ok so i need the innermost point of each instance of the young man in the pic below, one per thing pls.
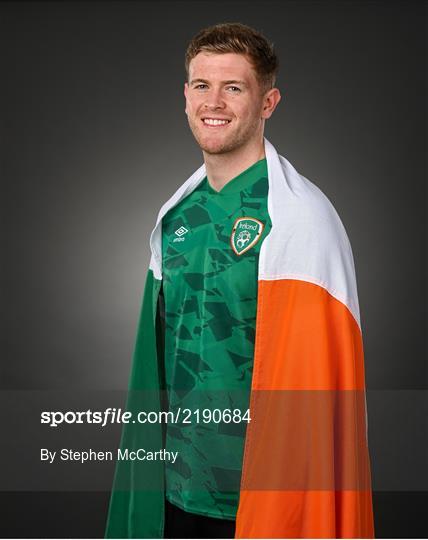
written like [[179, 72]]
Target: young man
[[252, 280]]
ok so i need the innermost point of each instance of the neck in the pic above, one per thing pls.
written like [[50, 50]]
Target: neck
[[222, 168]]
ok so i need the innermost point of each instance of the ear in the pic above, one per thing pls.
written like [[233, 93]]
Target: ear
[[270, 101]]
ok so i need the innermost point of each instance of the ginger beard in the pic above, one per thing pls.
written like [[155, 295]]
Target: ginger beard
[[243, 109], [228, 138]]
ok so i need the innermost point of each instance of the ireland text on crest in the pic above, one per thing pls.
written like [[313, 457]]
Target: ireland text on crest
[[246, 233]]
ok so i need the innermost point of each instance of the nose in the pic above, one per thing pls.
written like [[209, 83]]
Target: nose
[[214, 99]]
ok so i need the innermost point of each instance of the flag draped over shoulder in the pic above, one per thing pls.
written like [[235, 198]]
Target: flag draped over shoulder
[[137, 501], [306, 468]]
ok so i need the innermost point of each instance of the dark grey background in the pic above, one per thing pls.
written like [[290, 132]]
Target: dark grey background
[[95, 139]]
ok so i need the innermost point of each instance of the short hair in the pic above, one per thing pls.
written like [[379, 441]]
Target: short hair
[[241, 39]]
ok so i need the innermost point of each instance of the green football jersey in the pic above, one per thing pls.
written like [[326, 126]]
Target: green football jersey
[[210, 243]]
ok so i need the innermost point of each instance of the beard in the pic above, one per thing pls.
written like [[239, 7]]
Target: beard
[[222, 144]]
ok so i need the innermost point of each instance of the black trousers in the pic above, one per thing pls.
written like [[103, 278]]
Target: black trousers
[[181, 524]]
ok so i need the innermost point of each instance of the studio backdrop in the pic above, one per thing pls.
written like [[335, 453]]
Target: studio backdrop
[[95, 139]]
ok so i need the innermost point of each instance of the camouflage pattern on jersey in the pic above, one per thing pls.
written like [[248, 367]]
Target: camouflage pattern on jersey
[[211, 243]]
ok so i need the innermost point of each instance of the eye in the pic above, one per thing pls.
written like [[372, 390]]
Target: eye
[[200, 85], [235, 89]]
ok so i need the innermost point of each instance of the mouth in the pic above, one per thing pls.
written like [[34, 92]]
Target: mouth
[[215, 122]]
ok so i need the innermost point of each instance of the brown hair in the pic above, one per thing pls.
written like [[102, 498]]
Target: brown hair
[[241, 39]]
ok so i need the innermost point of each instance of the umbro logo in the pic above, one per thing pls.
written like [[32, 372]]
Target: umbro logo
[[180, 232]]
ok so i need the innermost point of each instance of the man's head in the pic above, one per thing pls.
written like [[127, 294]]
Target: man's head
[[239, 39], [231, 72]]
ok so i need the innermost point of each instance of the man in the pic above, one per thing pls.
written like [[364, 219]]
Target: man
[[252, 276]]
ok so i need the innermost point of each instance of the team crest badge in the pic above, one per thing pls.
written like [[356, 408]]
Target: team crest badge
[[246, 233]]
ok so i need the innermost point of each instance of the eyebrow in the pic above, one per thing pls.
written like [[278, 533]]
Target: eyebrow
[[234, 81]]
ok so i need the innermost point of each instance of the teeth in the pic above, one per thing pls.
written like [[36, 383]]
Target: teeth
[[214, 122]]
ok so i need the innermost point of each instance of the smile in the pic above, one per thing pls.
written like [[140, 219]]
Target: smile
[[215, 122]]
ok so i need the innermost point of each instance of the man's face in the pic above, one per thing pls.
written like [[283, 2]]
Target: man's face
[[223, 87]]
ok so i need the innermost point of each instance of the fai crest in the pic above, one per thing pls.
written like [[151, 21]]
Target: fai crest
[[245, 233]]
